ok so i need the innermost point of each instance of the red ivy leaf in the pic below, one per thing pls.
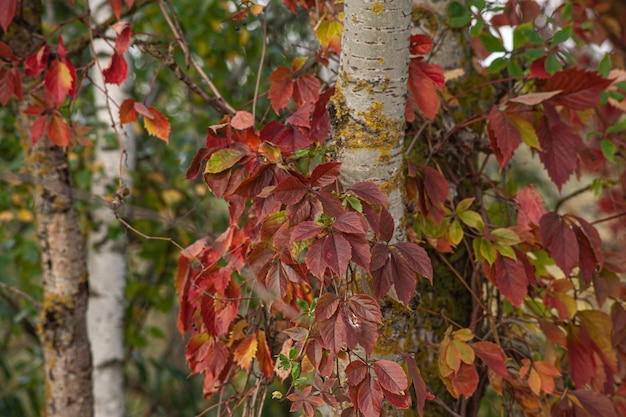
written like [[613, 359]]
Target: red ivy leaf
[[7, 85], [432, 192], [281, 88], [116, 5], [580, 89], [391, 376], [369, 192], [36, 63], [493, 356], [509, 275], [417, 258], [128, 114], [124, 34], [424, 79], [59, 81], [59, 131], [242, 120], [418, 383], [503, 135], [290, 191], [421, 44], [350, 222], [305, 230], [559, 238], [38, 129], [580, 355], [465, 381], [302, 116], [326, 307], [7, 12], [560, 145], [306, 90], [325, 174], [403, 277], [337, 253], [531, 207], [158, 125], [370, 397], [117, 70]]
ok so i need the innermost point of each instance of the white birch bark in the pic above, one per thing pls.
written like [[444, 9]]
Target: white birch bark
[[369, 104], [107, 260]]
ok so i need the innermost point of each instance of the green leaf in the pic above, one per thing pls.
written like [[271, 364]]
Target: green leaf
[[459, 15], [478, 4], [498, 65], [455, 232], [552, 64], [485, 250], [477, 29], [605, 65], [617, 127], [608, 149], [464, 205], [533, 54], [472, 219], [527, 34], [561, 36], [506, 236], [491, 43], [355, 203], [222, 160], [566, 13], [506, 251], [515, 69]]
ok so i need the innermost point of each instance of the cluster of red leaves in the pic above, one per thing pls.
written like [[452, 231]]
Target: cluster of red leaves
[[547, 121], [302, 237], [424, 79]]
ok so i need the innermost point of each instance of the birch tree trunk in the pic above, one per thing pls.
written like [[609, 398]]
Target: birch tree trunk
[[368, 118], [368, 108], [62, 327], [107, 257]]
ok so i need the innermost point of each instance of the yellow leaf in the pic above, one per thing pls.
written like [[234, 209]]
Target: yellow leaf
[[25, 216], [377, 8], [455, 233], [158, 126], [256, 9], [245, 351], [329, 34], [297, 63], [600, 328], [526, 130], [534, 382]]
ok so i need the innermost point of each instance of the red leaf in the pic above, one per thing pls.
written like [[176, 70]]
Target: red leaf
[[391, 376], [333, 332], [143, 110], [356, 372], [580, 89], [36, 63], [493, 356], [350, 222], [421, 44], [361, 254], [302, 116], [503, 135], [370, 397], [59, 81], [418, 383], [305, 230], [465, 381], [560, 145], [558, 237], [580, 355], [128, 114], [7, 85], [116, 5], [315, 260], [424, 79], [531, 207], [326, 307], [306, 89], [325, 174], [433, 191], [366, 308], [594, 403], [533, 99], [158, 125], [7, 12], [123, 36], [59, 131], [403, 278], [511, 279], [281, 88], [242, 120], [417, 259], [38, 129], [337, 253], [117, 70], [370, 192], [290, 191]]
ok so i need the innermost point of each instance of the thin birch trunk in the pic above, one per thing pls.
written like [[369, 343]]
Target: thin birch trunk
[[107, 256]]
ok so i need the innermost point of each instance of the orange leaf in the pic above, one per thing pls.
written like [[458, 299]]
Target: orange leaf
[[245, 351], [157, 126], [58, 81], [38, 129], [128, 114], [281, 88], [264, 356], [59, 131], [242, 120]]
